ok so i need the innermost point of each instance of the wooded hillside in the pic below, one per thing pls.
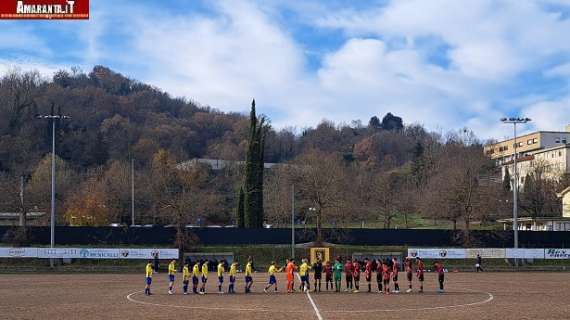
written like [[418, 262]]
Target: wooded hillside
[[343, 172]]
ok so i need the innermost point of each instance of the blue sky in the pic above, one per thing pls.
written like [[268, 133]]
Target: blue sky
[[445, 64]]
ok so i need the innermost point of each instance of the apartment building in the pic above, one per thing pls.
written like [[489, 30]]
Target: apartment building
[[548, 149]]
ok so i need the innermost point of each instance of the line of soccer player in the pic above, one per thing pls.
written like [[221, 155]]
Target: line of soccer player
[[386, 271]]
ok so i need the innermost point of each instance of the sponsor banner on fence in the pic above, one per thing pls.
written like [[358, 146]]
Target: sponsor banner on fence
[[88, 253], [490, 253], [439, 253], [524, 253], [18, 252], [557, 253]]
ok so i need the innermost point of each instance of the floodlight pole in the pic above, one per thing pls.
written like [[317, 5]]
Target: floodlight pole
[[515, 191], [514, 121], [52, 117], [52, 217]]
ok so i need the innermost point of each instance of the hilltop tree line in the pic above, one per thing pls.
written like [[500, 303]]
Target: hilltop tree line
[[380, 172]]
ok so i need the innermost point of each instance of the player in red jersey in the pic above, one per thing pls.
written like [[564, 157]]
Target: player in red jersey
[[348, 270], [440, 269], [356, 275], [328, 276], [386, 276], [409, 266], [378, 268], [395, 269], [420, 269], [368, 273]]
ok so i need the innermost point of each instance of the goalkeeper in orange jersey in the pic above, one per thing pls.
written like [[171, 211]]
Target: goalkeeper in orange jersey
[[290, 272]]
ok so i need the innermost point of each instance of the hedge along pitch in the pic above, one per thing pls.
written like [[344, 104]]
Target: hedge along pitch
[[280, 236]]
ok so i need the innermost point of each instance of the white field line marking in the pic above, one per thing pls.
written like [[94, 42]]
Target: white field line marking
[[130, 298], [261, 309], [490, 298], [317, 313]]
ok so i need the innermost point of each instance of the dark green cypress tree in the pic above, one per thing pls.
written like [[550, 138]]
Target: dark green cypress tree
[[259, 216], [418, 165], [240, 219], [253, 186], [507, 181]]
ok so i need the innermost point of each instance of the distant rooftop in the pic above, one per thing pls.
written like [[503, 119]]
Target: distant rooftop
[[217, 164], [16, 215]]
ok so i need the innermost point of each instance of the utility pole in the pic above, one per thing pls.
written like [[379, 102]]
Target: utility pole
[[22, 207], [293, 221], [52, 117], [514, 122], [132, 191]]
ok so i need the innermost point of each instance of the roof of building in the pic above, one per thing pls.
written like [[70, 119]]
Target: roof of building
[[563, 192], [527, 134], [218, 164], [560, 146], [537, 219], [16, 215]]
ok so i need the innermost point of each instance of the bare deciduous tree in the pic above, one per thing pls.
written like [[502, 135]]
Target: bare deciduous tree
[[455, 191], [321, 177]]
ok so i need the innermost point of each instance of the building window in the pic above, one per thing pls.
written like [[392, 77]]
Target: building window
[[563, 140], [529, 141], [557, 140], [560, 153], [535, 140]]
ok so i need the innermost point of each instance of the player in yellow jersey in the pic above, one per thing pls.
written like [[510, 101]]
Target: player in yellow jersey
[[204, 276], [185, 277], [272, 280], [148, 273], [233, 273], [171, 273], [248, 275], [195, 277], [304, 274], [221, 271]]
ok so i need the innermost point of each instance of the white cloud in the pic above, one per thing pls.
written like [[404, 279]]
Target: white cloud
[[224, 60], [490, 40], [562, 70], [244, 49], [22, 38], [46, 70], [550, 115]]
